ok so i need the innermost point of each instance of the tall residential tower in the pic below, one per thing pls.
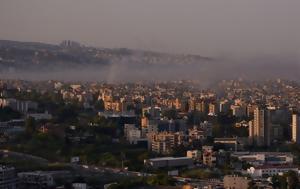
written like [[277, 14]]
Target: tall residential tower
[[295, 128], [260, 131]]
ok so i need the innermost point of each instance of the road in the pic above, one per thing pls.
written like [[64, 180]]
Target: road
[[91, 169], [8, 153]]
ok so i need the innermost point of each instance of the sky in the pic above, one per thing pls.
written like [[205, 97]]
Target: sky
[[204, 27]]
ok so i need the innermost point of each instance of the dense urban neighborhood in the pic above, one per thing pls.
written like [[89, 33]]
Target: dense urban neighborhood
[[234, 134]]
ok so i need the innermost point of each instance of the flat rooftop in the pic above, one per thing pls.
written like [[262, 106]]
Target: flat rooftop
[[168, 158]]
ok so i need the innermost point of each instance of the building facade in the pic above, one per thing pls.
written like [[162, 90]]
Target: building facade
[[260, 128], [8, 177], [295, 128]]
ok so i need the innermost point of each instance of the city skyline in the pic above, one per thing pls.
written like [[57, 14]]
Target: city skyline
[[156, 94]]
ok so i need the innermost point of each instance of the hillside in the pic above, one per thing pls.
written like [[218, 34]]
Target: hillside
[[31, 56]]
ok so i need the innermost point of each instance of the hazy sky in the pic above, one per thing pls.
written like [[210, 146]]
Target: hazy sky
[[206, 27]]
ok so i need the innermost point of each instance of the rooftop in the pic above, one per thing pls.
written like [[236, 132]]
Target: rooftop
[[168, 158], [283, 166], [3, 168]]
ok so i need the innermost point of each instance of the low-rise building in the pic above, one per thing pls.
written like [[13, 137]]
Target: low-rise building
[[200, 132], [40, 116], [208, 156], [261, 158], [37, 178], [75, 159], [228, 142], [18, 105], [165, 142], [12, 126], [232, 143], [236, 182], [194, 154], [270, 170], [132, 133], [169, 162], [79, 186], [8, 177]]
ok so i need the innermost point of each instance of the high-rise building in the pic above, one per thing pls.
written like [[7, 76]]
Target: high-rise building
[[250, 110], [144, 122], [224, 106], [153, 112], [260, 131], [202, 106], [212, 109], [238, 111], [296, 128]]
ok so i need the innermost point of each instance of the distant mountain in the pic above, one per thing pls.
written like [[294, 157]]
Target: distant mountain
[[32, 56]]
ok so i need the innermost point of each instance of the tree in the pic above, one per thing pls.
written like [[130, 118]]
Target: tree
[[251, 185], [161, 179], [68, 186], [67, 114], [99, 105], [196, 117], [288, 180], [170, 114], [6, 114], [292, 179], [30, 125], [179, 150]]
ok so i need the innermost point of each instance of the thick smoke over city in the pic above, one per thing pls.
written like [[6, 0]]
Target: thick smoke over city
[[249, 39], [205, 71]]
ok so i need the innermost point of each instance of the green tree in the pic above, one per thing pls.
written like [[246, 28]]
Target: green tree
[[6, 114], [288, 180], [251, 185], [30, 125], [292, 179], [68, 114], [170, 114], [160, 179], [99, 105]]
